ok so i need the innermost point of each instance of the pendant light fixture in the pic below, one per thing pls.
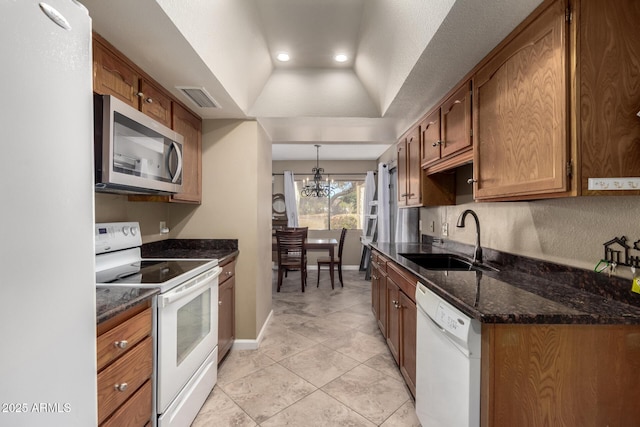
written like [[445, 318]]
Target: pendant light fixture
[[318, 187]]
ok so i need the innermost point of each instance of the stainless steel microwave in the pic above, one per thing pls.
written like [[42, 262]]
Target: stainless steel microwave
[[134, 154]]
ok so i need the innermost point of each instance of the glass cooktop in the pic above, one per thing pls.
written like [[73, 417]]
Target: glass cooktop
[[148, 272]]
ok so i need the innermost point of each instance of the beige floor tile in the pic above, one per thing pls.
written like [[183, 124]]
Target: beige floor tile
[[370, 393], [220, 411], [319, 329], [317, 410], [268, 391], [280, 342], [240, 363], [351, 319], [319, 364], [403, 417], [357, 345], [386, 364]]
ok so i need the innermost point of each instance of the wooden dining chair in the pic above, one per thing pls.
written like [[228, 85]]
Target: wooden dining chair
[[291, 254], [336, 261]]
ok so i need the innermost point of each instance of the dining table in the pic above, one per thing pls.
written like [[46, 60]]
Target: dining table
[[316, 244]]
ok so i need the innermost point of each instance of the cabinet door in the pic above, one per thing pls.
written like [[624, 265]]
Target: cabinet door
[[401, 155], [393, 319], [430, 138], [190, 127], [408, 321], [226, 316], [155, 103], [609, 130], [520, 114], [413, 168], [112, 76], [456, 122], [375, 293], [382, 304]]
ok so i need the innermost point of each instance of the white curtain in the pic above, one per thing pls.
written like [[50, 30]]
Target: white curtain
[[369, 194], [383, 203], [290, 199]]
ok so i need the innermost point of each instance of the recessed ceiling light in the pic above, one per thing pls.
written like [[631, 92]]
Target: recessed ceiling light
[[341, 57], [283, 56]]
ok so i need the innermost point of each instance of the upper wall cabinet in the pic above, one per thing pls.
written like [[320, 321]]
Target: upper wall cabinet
[[609, 91], [409, 186], [111, 76], [520, 115], [446, 132], [114, 74]]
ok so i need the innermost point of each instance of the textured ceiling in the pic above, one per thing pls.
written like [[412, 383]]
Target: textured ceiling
[[404, 56]]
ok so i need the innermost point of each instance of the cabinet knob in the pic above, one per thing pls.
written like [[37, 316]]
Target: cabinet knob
[[471, 181], [219, 302], [228, 273], [435, 144], [149, 100], [121, 387], [121, 344]]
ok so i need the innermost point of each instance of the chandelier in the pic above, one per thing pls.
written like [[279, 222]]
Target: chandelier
[[316, 188]]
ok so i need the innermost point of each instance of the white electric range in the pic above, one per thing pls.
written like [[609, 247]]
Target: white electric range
[[186, 317]]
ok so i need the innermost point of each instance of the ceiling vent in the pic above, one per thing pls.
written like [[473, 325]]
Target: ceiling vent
[[199, 96]]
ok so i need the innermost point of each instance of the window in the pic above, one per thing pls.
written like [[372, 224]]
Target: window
[[343, 208]]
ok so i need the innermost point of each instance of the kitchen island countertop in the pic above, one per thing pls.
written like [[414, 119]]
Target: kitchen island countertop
[[514, 296]]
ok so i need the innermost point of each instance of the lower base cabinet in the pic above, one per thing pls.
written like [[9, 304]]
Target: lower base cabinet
[[393, 298], [226, 308], [125, 367], [560, 375]]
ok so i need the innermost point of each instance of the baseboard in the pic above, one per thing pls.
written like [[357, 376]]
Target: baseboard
[[244, 344]]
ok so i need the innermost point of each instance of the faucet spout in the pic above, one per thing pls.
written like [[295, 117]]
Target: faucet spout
[[477, 254]]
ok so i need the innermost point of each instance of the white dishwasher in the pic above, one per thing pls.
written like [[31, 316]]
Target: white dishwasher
[[447, 363]]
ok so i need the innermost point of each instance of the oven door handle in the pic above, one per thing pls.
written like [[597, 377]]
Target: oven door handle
[[190, 288]]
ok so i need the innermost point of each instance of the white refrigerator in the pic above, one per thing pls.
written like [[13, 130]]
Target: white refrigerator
[[47, 280]]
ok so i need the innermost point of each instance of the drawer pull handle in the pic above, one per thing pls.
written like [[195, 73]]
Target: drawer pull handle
[[121, 344], [121, 387], [228, 273]]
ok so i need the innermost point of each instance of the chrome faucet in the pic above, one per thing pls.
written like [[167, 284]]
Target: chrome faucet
[[477, 255]]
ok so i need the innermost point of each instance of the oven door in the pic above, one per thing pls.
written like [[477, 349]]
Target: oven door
[[187, 333]]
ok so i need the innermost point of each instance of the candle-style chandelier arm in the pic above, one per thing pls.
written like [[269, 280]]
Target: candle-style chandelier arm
[[317, 188]]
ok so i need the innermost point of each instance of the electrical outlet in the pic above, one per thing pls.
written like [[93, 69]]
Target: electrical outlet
[[445, 229]]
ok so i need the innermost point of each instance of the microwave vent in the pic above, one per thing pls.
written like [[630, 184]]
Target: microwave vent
[[199, 96]]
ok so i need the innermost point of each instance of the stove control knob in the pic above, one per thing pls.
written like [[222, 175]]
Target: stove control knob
[[134, 231], [125, 231]]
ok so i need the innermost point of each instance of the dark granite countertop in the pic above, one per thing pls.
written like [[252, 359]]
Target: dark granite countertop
[[524, 290], [219, 249], [112, 300]]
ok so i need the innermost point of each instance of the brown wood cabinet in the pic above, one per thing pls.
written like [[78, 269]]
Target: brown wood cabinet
[[560, 375], [190, 127], [520, 112], [409, 179], [114, 74], [226, 308], [155, 103], [608, 128], [446, 132], [125, 366], [393, 299]]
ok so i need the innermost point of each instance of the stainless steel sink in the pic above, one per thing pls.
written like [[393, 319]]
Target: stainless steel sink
[[449, 262]]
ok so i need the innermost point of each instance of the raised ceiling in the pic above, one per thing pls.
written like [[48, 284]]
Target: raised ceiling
[[403, 57]]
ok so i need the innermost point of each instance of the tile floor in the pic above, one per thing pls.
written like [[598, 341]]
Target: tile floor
[[322, 362]]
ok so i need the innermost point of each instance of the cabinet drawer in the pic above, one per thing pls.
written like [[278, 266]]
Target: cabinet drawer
[[135, 412], [133, 368], [228, 271], [379, 261], [132, 331], [405, 280]]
